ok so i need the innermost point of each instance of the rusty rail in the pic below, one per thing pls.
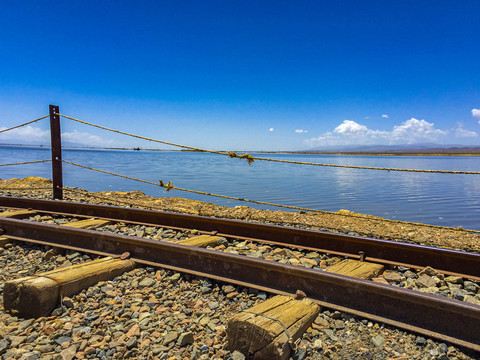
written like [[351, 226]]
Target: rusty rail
[[448, 261], [446, 319]]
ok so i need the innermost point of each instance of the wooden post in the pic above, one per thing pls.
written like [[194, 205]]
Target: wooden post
[[56, 143]]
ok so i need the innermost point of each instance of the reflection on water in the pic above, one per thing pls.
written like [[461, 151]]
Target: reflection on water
[[441, 199]]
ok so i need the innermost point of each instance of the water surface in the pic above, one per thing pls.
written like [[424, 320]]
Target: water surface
[[440, 199]]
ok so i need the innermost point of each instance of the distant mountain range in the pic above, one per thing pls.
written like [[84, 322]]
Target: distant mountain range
[[352, 149], [400, 149]]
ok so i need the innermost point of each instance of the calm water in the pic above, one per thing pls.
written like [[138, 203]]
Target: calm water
[[440, 199]]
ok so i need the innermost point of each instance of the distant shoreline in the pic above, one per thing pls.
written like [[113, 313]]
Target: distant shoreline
[[457, 151], [379, 153]]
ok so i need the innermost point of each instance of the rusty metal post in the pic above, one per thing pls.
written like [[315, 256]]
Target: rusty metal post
[[56, 142]]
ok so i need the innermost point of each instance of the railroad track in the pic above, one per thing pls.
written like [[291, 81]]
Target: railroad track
[[439, 317]]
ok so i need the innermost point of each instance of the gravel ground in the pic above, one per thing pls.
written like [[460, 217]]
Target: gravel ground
[[426, 280], [150, 313]]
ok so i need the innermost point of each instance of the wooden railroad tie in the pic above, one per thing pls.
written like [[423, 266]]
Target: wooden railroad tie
[[38, 295], [87, 224], [269, 330], [355, 268], [17, 214], [200, 241], [4, 240]]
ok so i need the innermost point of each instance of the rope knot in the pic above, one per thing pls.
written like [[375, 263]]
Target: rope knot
[[167, 186], [250, 159]]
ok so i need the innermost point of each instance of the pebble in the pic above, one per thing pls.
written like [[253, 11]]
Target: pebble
[[339, 324], [170, 337], [237, 355], [97, 323], [378, 341], [392, 276], [68, 302], [420, 340], [185, 339], [147, 282], [227, 289], [425, 281]]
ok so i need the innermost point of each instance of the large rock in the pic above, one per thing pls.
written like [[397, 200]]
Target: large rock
[[425, 281]]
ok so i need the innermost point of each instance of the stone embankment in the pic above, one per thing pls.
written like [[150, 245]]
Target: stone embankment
[[151, 313]]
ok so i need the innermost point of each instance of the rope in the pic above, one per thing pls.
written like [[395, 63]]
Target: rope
[[372, 168], [143, 137], [24, 124], [27, 162], [169, 187], [250, 159]]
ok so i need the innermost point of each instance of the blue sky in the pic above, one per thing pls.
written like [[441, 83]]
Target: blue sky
[[235, 75]]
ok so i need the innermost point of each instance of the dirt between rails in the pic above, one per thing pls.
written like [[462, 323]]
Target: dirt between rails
[[343, 221]]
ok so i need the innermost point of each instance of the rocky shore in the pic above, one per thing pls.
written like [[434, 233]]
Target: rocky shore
[[343, 221], [151, 313]]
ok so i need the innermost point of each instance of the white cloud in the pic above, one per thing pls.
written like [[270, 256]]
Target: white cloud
[[476, 113], [349, 126], [414, 129], [271, 129], [301, 131], [35, 135], [26, 134], [350, 133], [84, 138], [460, 132], [385, 116], [353, 129]]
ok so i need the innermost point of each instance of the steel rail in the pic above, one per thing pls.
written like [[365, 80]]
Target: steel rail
[[446, 319], [447, 261]]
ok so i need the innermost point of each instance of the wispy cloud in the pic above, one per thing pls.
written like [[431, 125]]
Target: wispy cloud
[[27, 134], [84, 138], [350, 132], [34, 135], [301, 131], [476, 113], [460, 132], [385, 116], [271, 129]]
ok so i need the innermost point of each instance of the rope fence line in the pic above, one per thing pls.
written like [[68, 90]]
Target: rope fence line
[[231, 154], [169, 187], [374, 168], [250, 159], [27, 162], [142, 137], [24, 124]]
